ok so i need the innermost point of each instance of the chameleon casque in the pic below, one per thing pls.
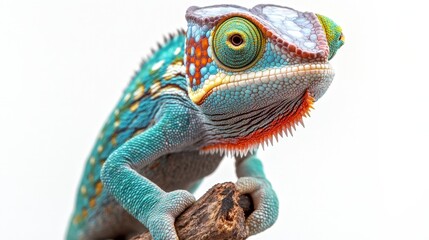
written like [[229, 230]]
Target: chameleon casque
[[234, 80]]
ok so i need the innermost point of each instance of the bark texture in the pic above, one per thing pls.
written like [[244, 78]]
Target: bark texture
[[219, 214]]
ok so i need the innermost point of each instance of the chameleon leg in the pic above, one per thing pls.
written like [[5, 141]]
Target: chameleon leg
[[252, 180], [143, 199]]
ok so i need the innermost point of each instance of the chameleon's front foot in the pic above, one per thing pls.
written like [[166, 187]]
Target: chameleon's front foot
[[265, 202], [160, 221]]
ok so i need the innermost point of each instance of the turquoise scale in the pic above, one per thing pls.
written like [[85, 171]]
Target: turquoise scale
[[123, 122]]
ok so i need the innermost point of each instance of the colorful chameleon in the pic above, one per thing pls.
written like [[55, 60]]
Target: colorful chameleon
[[235, 79]]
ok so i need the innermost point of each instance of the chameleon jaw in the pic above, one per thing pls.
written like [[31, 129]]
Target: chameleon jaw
[[222, 81], [279, 126]]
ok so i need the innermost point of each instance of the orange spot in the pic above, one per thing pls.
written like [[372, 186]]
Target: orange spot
[[113, 140], [198, 77], [203, 61], [84, 212], [98, 187], [277, 126], [92, 202], [204, 43], [198, 51]]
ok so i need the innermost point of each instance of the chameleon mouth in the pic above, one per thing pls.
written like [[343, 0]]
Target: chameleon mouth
[[295, 74]]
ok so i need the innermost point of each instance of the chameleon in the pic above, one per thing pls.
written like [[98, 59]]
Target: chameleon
[[232, 81]]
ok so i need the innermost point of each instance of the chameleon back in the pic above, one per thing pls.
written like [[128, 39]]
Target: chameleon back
[[135, 112]]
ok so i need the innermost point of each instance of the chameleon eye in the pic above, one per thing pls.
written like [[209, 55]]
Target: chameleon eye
[[237, 44]]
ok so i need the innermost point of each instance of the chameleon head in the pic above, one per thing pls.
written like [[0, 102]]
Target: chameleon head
[[263, 66]]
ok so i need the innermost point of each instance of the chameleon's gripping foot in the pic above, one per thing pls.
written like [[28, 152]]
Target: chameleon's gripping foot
[[161, 219], [265, 202]]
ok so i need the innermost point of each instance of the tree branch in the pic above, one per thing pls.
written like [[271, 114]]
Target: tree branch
[[219, 214]]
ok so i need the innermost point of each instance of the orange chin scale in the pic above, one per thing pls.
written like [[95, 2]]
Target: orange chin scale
[[279, 126]]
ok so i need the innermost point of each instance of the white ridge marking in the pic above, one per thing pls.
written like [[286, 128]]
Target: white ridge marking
[[177, 51], [157, 65]]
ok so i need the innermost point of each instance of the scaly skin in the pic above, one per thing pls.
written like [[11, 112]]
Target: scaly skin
[[234, 80]]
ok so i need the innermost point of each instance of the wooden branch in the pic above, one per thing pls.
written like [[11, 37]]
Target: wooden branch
[[219, 214]]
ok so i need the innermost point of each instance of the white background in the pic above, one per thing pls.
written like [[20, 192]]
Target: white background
[[359, 170]]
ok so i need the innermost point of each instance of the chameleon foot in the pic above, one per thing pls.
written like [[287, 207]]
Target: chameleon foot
[[265, 201], [161, 219]]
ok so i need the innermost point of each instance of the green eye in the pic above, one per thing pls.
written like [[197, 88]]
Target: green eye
[[237, 43]]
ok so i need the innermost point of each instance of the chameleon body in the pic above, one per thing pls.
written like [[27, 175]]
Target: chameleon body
[[234, 80]]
